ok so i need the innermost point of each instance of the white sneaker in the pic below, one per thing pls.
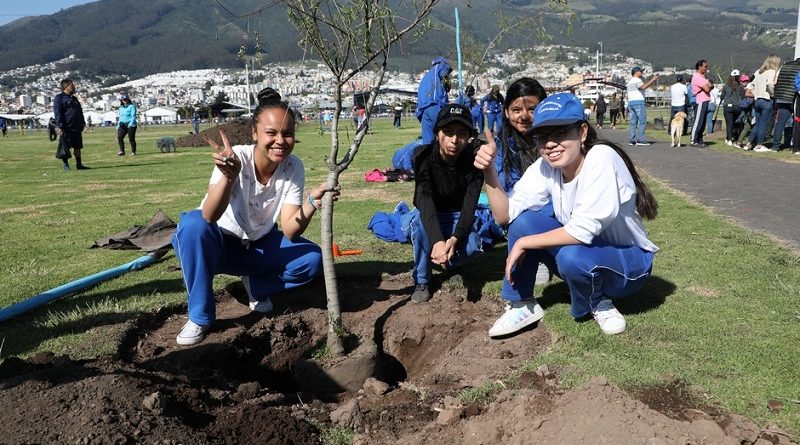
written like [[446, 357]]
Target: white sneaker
[[255, 305], [761, 149], [191, 334], [608, 317], [518, 315], [543, 275]]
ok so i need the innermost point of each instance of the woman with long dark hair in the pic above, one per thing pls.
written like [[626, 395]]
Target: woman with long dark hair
[[516, 151], [596, 238], [732, 95]]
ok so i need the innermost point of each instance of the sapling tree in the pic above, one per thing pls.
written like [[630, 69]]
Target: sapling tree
[[352, 38]]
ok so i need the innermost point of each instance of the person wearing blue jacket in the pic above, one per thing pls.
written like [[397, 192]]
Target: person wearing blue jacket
[[469, 101], [126, 124], [431, 96], [493, 103], [68, 113]]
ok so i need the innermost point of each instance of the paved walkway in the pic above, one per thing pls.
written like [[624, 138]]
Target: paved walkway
[[759, 192]]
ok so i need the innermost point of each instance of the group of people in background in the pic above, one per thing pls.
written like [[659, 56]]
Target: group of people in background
[[759, 110], [68, 123]]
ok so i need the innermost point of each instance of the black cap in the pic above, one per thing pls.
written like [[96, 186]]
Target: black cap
[[455, 113]]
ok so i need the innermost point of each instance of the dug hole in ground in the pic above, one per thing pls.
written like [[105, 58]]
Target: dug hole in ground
[[242, 385]]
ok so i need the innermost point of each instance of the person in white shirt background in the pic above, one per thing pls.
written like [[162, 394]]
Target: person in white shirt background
[[677, 92]]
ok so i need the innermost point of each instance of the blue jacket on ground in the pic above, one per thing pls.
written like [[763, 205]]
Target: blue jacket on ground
[[396, 226], [431, 89], [403, 157]]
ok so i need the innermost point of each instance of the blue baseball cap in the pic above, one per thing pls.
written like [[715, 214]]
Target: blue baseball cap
[[557, 110]]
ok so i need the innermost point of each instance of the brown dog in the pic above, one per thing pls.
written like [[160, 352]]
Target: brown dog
[[676, 128]]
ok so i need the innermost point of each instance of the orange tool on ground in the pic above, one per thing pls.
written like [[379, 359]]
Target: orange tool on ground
[[338, 252]]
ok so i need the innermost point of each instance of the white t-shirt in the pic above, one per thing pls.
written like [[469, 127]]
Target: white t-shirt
[[634, 93], [677, 92], [599, 205], [254, 208]]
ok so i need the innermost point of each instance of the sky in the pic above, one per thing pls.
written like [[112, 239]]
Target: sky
[[11, 10]]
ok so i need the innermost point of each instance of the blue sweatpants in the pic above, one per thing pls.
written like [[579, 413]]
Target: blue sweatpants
[[428, 123], [273, 263], [591, 271], [494, 122], [472, 246]]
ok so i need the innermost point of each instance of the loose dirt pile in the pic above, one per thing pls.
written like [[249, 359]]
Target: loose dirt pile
[[241, 384], [238, 130]]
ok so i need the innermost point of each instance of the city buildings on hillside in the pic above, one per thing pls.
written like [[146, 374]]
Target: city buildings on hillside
[[308, 86]]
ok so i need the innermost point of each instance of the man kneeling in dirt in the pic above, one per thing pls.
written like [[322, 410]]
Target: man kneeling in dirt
[[447, 190]]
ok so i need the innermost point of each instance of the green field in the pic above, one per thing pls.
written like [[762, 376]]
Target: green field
[[722, 310]]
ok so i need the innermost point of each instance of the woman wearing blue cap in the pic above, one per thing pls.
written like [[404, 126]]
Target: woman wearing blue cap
[[596, 239], [126, 124]]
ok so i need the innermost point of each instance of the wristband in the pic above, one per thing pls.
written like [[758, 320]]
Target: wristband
[[313, 202]]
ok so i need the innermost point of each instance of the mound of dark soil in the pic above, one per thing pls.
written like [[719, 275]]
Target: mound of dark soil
[[240, 384], [238, 130]]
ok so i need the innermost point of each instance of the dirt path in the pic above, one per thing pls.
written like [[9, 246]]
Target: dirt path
[[241, 384]]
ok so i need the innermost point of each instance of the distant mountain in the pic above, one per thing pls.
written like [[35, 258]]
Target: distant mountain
[[140, 38]]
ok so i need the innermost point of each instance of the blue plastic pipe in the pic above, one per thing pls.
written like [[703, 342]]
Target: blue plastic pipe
[[75, 286], [458, 50]]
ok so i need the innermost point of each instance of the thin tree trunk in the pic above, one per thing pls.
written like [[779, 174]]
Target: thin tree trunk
[[335, 346]]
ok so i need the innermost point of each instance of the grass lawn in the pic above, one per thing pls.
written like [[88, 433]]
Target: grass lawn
[[722, 310]]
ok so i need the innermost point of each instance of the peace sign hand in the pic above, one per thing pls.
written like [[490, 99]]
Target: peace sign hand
[[224, 157]]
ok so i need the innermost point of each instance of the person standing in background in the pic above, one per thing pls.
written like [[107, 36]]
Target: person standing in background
[[763, 89], [636, 106], [614, 105], [196, 123], [600, 110], [398, 113], [784, 102], [732, 95], [701, 88], [68, 113], [126, 124], [677, 93], [51, 129], [432, 96], [493, 104], [475, 108]]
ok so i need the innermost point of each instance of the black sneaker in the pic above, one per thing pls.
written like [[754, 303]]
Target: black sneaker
[[82, 167], [421, 294]]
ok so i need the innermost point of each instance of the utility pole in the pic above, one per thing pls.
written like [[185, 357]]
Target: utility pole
[[599, 55], [247, 75]]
